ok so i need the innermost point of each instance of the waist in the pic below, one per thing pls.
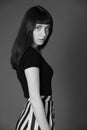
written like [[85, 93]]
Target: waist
[[44, 98]]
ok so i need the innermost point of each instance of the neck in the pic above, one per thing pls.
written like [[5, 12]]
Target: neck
[[36, 47]]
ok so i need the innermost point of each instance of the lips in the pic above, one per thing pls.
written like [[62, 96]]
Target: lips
[[42, 39]]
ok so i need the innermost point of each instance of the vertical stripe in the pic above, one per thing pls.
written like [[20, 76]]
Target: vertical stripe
[[21, 125], [36, 125], [46, 107], [53, 117], [26, 109], [30, 118], [27, 120], [39, 128], [51, 114], [47, 103], [48, 114], [23, 112], [33, 122], [25, 106], [25, 128]]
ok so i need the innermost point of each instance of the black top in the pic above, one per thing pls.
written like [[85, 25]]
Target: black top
[[32, 58]]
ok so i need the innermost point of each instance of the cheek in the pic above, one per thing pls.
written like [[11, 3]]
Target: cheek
[[35, 35]]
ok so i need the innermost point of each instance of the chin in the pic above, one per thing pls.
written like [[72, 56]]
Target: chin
[[41, 43]]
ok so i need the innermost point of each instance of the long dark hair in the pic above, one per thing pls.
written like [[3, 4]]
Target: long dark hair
[[24, 39]]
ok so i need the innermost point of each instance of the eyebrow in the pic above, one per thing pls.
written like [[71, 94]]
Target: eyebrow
[[41, 25], [38, 25]]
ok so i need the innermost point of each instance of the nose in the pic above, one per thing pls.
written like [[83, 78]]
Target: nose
[[43, 33]]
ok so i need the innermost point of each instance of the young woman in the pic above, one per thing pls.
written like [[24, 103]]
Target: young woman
[[33, 72]]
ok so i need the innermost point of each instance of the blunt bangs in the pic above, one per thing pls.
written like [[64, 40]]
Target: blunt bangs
[[38, 14], [43, 20]]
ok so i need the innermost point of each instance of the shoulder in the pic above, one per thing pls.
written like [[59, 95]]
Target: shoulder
[[30, 58]]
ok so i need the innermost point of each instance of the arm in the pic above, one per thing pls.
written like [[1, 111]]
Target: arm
[[32, 76]]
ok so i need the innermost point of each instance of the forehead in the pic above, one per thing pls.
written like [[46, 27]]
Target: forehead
[[42, 25]]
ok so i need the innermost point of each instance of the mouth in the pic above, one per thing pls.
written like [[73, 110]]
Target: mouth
[[41, 39]]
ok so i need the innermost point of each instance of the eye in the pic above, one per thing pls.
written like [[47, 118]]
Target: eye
[[47, 30], [48, 27], [38, 27]]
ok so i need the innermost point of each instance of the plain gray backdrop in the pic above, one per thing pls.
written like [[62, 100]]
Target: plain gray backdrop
[[66, 52]]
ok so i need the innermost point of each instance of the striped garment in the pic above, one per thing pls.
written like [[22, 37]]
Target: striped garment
[[27, 120]]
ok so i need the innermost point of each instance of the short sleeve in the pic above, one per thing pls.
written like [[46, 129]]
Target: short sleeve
[[31, 58]]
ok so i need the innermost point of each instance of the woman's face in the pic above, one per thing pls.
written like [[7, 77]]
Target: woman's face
[[40, 33]]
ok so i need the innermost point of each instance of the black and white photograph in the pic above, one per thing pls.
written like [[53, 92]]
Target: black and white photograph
[[43, 68]]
